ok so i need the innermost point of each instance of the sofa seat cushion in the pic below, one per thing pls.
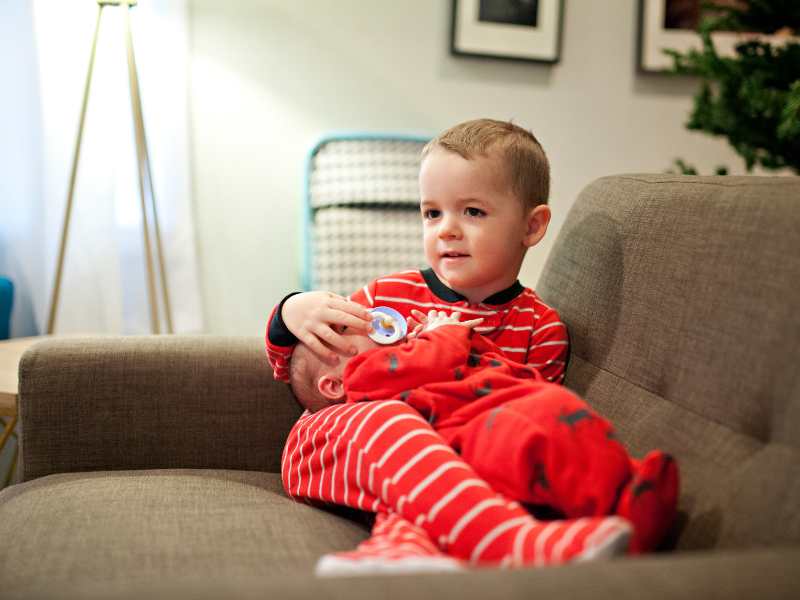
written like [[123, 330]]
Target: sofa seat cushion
[[135, 526]]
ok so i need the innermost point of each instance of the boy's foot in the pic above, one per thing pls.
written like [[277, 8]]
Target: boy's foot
[[607, 542], [351, 563], [650, 500]]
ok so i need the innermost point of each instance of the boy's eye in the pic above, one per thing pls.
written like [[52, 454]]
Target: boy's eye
[[474, 212], [430, 213]]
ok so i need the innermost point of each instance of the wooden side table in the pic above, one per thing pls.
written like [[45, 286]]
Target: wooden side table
[[10, 353]]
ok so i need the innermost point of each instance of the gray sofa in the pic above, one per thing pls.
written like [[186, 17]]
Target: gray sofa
[[150, 465]]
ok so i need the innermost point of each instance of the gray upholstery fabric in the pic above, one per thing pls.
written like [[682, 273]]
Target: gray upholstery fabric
[[141, 526], [769, 574], [151, 402], [681, 295]]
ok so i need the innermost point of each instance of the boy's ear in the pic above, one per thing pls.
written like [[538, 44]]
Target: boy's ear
[[537, 220], [331, 387]]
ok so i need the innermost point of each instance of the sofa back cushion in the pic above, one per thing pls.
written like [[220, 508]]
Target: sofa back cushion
[[682, 298]]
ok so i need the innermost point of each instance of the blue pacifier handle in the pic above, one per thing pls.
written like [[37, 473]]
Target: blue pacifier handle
[[388, 325]]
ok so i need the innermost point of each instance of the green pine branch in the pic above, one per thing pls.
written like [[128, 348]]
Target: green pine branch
[[753, 97]]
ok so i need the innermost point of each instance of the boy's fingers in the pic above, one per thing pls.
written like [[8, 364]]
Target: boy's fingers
[[319, 349], [351, 307], [473, 322], [334, 340], [418, 315], [342, 312], [340, 318], [412, 323]]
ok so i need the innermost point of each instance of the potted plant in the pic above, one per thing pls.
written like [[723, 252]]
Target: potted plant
[[752, 97]]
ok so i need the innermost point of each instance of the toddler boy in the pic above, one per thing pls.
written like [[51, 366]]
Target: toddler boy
[[484, 187]]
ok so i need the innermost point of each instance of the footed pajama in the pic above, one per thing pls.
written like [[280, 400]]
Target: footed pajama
[[384, 457]]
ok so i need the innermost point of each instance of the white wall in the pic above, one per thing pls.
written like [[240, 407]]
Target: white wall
[[269, 77]]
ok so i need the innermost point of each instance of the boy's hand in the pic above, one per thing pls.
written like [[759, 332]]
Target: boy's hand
[[437, 318], [416, 323], [318, 318]]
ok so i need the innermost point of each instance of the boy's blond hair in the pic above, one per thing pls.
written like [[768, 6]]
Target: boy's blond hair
[[527, 165]]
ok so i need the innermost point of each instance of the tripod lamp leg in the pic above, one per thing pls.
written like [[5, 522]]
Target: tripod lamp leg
[[56, 291]]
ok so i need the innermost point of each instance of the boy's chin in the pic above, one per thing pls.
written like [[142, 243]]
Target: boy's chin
[[472, 288], [450, 274], [455, 279]]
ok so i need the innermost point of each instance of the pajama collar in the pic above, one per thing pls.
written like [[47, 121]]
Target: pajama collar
[[450, 295]]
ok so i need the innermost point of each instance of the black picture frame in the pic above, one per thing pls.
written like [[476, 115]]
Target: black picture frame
[[510, 30]]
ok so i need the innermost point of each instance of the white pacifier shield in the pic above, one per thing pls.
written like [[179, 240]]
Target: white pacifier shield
[[388, 325]]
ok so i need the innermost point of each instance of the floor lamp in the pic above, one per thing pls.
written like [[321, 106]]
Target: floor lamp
[[145, 184]]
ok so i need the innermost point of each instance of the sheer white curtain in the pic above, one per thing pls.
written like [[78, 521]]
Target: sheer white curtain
[[46, 58]]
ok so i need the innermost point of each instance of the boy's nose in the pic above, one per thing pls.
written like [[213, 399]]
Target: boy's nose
[[449, 229]]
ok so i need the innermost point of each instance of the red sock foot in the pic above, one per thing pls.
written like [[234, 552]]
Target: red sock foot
[[650, 500], [558, 542]]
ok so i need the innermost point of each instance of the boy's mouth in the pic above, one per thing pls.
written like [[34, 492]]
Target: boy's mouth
[[454, 255]]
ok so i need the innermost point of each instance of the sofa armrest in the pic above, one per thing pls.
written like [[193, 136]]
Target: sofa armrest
[[151, 402]]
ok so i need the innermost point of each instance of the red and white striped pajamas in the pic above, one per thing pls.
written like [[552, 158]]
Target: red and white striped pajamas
[[384, 457]]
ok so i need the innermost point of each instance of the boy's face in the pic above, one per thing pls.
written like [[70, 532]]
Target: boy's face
[[476, 231]]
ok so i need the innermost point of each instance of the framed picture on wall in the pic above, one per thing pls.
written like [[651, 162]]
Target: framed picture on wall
[[528, 30], [673, 24]]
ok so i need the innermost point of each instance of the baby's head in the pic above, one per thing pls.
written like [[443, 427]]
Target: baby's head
[[317, 384], [509, 146]]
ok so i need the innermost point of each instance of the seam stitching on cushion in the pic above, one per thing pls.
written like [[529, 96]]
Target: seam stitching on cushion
[[766, 181], [683, 406]]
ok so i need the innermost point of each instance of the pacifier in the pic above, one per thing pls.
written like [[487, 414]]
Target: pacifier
[[388, 325]]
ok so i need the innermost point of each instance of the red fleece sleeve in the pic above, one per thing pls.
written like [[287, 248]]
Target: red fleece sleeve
[[387, 372], [278, 356]]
